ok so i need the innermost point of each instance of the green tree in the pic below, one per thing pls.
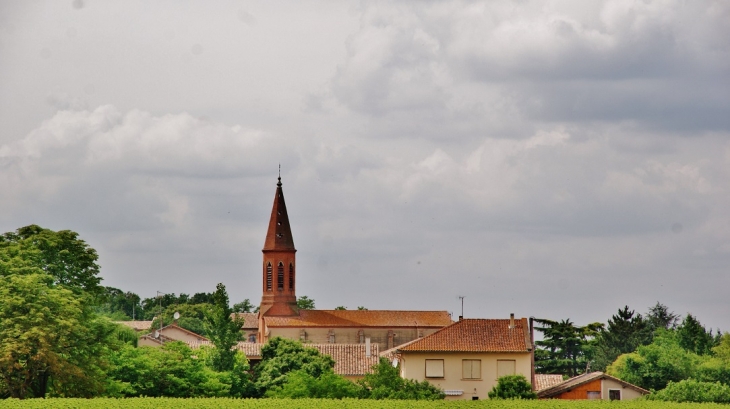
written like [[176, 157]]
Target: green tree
[[659, 317], [223, 331], [171, 370], [625, 332], [694, 337], [305, 303], [340, 308], [564, 347], [281, 356], [49, 335], [120, 306], [385, 382], [62, 255], [691, 390], [512, 387], [243, 306], [300, 384]]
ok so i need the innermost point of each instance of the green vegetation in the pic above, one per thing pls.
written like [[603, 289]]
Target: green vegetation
[[385, 383], [305, 303], [564, 347], [221, 403], [512, 387], [690, 390]]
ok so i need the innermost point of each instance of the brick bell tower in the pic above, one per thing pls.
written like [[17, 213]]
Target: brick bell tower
[[279, 266]]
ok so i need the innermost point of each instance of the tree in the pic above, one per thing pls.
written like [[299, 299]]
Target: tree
[[625, 332], [385, 382], [340, 308], [281, 356], [243, 306], [659, 317], [120, 306], [691, 390], [300, 384], [361, 308], [50, 335], [694, 337], [223, 331], [564, 347], [512, 387], [305, 303], [62, 255]]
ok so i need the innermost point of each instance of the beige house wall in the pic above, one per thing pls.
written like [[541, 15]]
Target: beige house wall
[[626, 393], [178, 335], [378, 336], [146, 342], [413, 366]]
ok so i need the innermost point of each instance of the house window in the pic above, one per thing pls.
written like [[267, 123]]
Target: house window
[[434, 368], [291, 276], [505, 367], [252, 338], [361, 336], [269, 277], [614, 394], [331, 337], [471, 368], [594, 395], [280, 277]]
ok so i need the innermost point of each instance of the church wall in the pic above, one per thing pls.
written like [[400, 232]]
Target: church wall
[[351, 335]]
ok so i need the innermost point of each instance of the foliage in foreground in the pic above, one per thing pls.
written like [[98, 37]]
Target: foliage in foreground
[[691, 390], [220, 403], [385, 383], [512, 387]]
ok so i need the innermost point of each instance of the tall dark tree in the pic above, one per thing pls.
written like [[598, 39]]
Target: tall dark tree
[[223, 330], [659, 317], [564, 347], [625, 332], [694, 337]]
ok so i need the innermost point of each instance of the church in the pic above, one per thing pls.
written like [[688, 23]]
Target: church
[[279, 315]]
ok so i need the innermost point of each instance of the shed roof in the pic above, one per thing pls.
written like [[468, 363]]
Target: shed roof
[[583, 379]]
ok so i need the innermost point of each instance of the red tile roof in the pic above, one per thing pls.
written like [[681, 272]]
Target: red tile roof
[[544, 381], [362, 318], [350, 359], [476, 335], [250, 319]]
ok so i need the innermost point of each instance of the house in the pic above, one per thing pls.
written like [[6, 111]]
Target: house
[[466, 358], [593, 385], [168, 333], [279, 315]]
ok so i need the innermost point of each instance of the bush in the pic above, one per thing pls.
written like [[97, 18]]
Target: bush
[[690, 390], [512, 387]]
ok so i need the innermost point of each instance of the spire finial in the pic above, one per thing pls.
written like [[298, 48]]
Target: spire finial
[[279, 182]]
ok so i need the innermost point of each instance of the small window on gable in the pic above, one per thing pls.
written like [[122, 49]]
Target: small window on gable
[[614, 394], [269, 277], [471, 368], [434, 368], [593, 395], [505, 367], [280, 277]]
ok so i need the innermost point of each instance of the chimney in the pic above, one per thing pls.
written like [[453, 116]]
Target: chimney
[[461, 317], [367, 347], [511, 320]]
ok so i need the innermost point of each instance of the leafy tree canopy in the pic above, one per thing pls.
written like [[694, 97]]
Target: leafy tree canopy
[[512, 387], [281, 356], [626, 331], [223, 330], [565, 347], [384, 382], [305, 303]]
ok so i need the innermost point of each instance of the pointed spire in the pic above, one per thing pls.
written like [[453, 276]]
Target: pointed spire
[[278, 236]]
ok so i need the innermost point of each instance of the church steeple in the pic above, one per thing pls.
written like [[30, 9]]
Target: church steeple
[[279, 266]]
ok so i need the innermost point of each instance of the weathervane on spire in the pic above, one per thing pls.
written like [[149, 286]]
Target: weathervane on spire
[[279, 182]]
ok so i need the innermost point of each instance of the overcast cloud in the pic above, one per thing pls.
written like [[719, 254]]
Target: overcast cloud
[[554, 159]]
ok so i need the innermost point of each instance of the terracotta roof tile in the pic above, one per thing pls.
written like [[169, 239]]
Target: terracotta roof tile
[[544, 381], [475, 335], [361, 318], [250, 319], [350, 359], [582, 379], [136, 325]]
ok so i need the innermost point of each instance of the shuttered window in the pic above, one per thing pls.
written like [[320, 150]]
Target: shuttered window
[[505, 367], [280, 277], [471, 369], [434, 368], [269, 278]]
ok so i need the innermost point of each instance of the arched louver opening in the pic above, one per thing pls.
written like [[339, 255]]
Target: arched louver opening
[[291, 276], [280, 277], [269, 277]]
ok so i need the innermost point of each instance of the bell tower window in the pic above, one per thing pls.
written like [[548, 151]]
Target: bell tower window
[[280, 277], [269, 277], [291, 276]]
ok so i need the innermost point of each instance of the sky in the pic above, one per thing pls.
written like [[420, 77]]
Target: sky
[[555, 159]]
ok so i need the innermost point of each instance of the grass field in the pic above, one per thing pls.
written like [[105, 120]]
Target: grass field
[[216, 403]]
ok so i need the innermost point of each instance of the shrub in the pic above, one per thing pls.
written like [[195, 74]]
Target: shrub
[[512, 387], [690, 390]]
